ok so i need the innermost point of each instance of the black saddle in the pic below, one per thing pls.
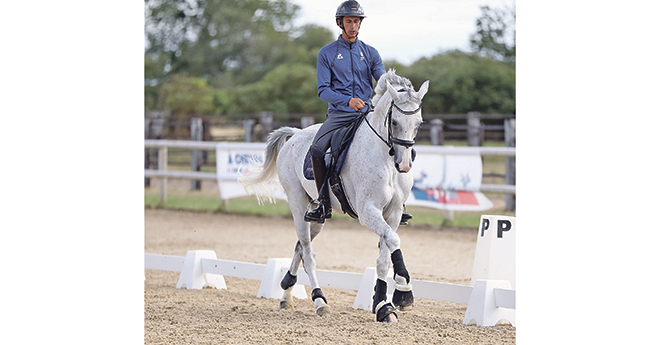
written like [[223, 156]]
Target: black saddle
[[339, 145]]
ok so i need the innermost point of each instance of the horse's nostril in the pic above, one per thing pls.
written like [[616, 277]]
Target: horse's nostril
[[398, 168]]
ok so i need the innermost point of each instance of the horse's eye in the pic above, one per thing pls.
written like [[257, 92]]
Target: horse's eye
[[395, 123]]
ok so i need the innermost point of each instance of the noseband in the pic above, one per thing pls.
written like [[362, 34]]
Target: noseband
[[395, 140]]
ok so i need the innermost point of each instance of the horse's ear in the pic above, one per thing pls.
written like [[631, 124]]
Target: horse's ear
[[392, 91], [423, 89]]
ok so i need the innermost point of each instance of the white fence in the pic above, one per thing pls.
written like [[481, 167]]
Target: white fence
[[163, 174], [201, 268], [490, 301]]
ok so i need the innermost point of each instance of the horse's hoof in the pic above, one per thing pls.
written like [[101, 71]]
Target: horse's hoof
[[286, 304], [386, 313], [403, 300], [320, 303], [323, 310], [392, 318]]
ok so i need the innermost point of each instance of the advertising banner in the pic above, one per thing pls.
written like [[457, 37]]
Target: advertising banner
[[230, 158], [446, 181]]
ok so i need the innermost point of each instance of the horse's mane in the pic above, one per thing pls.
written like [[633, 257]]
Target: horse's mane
[[398, 82]]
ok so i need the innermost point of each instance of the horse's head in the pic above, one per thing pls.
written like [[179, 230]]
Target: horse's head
[[405, 118]]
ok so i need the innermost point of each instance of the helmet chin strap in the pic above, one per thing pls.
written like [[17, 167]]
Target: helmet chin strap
[[341, 25]]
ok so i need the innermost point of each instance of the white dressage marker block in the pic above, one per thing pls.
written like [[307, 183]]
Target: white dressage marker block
[[365, 295], [495, 255], [482, 310], [270, 283], [193, 277]]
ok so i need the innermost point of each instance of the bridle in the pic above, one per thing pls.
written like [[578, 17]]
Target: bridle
[[392, 140]]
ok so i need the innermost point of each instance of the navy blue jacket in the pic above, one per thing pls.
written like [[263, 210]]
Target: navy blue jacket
[[344, 70]]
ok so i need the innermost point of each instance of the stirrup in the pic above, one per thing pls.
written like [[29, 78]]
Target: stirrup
[[316, 215], [405, 217]]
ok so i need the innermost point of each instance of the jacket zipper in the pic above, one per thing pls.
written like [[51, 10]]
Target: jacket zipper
[[352, 69]]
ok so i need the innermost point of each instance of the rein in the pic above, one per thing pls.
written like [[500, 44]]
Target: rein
[[391, 140]]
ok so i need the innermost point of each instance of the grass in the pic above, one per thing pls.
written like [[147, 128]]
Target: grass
[[249, 206], [180, 197], [199, 201]]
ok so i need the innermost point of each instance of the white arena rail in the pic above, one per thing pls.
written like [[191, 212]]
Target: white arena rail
[[490, 301], [164, 262], [363, 283], [328, 279]]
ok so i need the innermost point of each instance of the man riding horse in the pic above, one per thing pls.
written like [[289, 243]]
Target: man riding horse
[[344, 69]]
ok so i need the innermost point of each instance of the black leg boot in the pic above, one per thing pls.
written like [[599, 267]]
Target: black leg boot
[[323, 210]]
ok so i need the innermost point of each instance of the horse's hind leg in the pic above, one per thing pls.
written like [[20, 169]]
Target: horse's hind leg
[[297, 202], [309, 264], [290, 279], [303, 253]]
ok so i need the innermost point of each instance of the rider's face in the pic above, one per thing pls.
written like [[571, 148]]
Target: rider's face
[[351, 26]]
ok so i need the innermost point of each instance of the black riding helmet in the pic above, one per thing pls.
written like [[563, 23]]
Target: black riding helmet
[[350, 8]]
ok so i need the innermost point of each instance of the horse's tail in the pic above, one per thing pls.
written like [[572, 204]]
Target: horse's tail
[[263, 181]]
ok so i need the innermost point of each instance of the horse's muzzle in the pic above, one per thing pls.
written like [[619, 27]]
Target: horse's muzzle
[[403, 168], [403, 163], [399, 169]]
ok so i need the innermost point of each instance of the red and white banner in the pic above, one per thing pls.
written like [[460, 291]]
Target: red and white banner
[[447, 181]]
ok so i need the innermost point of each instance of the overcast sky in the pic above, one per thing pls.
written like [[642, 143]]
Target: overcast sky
[[406, 30]]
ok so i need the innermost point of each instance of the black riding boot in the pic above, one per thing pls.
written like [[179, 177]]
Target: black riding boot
[[324, 209]]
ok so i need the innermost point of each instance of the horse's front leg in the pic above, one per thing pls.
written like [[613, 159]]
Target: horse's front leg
[[389, 251], [384, 311], [403, 297]]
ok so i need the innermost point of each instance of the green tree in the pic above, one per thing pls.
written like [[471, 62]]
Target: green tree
[[496, 34], [460, 83], [187, 96], [271, 50], [311, 38], [288, 88], [209, 38], [292, 88], [153, 66]]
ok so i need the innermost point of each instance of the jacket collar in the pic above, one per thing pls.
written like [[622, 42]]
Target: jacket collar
[[345, 43]]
